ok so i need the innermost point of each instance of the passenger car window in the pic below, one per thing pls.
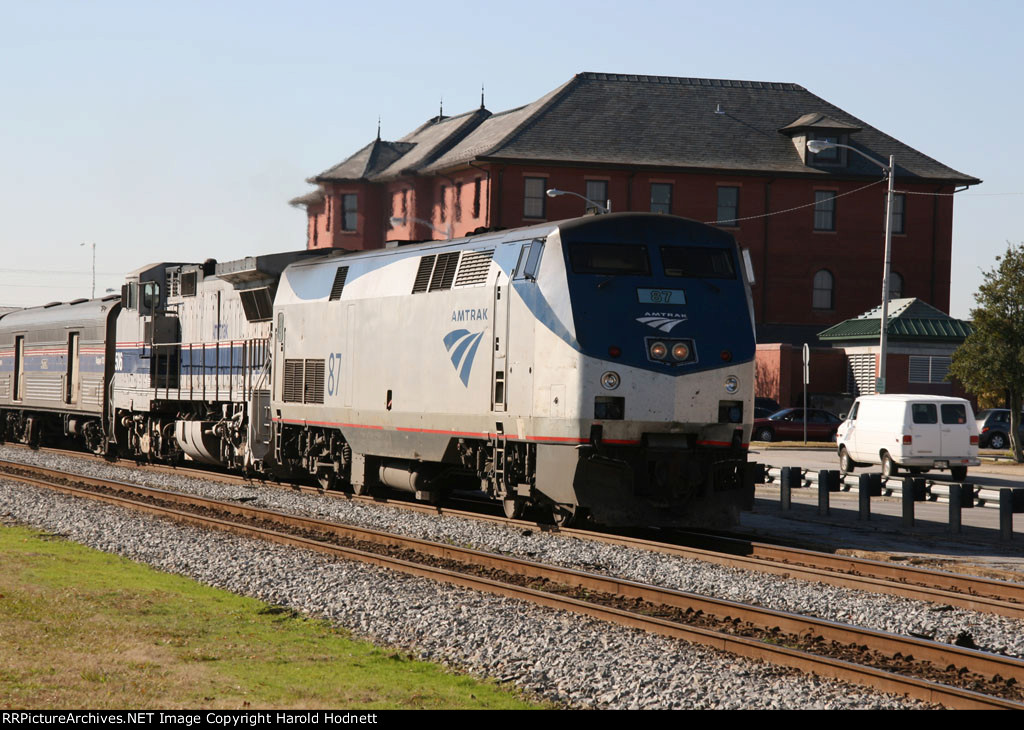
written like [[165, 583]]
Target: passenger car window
[[954, 413], [925, 413]]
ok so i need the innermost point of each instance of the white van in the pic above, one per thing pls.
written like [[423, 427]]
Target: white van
[[913, 432]]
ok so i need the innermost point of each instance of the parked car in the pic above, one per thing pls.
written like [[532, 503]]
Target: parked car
[[913, 432], [788, 425], [994, 428]]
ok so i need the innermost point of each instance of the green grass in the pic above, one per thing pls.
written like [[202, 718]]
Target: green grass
[[84, 629]]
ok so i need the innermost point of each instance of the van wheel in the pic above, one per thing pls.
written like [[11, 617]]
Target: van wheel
[[959, 473], [846, 464], [889, 468]]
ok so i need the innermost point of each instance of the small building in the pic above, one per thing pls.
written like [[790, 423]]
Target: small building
[[920, 346]]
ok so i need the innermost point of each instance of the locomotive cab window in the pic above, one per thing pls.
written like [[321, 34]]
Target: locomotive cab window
[[529, 260], [698, 262], [609, 259], [150, 296]]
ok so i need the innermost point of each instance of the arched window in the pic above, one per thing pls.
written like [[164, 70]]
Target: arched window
[[895, 285], [824, 285]]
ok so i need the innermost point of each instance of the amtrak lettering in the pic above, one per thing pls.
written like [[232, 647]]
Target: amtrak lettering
[[469, 315]]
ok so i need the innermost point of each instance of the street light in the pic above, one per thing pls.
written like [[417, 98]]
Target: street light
[[93, 294], [606, 208], [400, 221], [816, 146]]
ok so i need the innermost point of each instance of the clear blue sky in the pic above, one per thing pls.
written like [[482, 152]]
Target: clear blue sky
[[179, 131]]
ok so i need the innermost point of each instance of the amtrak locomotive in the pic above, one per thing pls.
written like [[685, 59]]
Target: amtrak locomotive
[[600, 366]]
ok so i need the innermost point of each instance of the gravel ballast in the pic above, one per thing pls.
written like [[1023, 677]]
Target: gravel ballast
[[563, 657]]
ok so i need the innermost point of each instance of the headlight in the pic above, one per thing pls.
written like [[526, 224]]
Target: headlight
[[732, 384], [680, 351], [610, 380], [658, 350]]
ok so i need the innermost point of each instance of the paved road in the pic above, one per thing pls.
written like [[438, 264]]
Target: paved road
[[989, 474]]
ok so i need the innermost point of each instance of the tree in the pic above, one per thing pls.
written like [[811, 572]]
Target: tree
[[991, 360]]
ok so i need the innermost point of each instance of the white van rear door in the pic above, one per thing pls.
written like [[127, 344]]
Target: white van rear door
[[956, 432], [924, 429]]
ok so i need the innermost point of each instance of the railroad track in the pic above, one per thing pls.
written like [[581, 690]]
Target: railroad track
[[939, 673], [973, 593]]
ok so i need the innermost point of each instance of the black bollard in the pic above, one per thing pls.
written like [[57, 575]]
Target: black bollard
[[908, 501], [823, 489], [920, 489], [790, 478], [864, 496], [955, 494], [1006, 514], [967, 496]]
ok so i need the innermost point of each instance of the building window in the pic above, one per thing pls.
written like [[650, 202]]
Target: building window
[[597, 192], [458, 203], [444, 202], [728, 206], [476, 198], [349, 208], [329, 200], [926, 369], [824, 286], [661, 197], [405, 203], [534, 201], [899, 200], [824, 210], [895, 285]]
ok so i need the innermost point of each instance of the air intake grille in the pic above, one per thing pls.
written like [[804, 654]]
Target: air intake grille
[[339, 283], [257, 304], [474, 268], [444, 271], [303, 381], [292, 390], [423, 274]]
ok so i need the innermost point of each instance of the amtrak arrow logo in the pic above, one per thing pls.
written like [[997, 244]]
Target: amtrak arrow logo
[[662, 323], [462, 344]]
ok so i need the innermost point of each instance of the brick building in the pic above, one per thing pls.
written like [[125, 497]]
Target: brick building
[[729, 152]]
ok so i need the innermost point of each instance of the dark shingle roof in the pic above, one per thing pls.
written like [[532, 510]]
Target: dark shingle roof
[[316, 196], [909, 319], [431, 140], [371, 159], [645, 121], [662, 121]]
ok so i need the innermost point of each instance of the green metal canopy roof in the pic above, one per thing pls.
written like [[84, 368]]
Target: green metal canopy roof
[[909, 320]]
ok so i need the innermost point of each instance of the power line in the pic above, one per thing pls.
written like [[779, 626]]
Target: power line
[[790, 210]]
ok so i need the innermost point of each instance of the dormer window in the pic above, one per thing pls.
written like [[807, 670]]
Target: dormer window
[[817, 126], [830, 155]]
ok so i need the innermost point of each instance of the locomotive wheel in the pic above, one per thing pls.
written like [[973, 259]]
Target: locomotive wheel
[[360, 490], [564, 515], [327, 478], [514, 507]]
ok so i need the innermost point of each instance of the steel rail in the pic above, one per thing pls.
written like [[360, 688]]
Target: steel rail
[[938, 654], [968, 592]]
